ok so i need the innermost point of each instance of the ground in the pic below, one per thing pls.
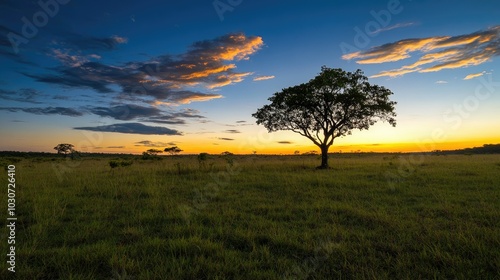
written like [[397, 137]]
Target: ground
[[371, 216]]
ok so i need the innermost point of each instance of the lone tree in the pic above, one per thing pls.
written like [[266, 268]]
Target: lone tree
[[173, 150], [329, 106], [65, 149]]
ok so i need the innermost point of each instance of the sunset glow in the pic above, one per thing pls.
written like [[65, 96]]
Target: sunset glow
[[116, 77]]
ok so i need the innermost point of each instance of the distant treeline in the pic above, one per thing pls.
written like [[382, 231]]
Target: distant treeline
[[485, 149], [51, 155]]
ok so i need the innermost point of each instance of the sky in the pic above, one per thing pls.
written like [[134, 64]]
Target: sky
[[127, 76]]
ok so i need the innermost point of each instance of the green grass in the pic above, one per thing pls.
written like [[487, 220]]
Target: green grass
[[258, 217]]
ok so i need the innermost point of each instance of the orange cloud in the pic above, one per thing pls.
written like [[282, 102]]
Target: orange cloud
[[394, 73], [245, 47], [456, 52], [165, 78], [392, 52], [207, 72], [472, 76], [228, 79], [198, 98]]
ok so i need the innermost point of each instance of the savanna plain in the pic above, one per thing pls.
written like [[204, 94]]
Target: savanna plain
[[370, 216]]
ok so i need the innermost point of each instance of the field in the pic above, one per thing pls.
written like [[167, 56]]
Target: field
[[371, 216]]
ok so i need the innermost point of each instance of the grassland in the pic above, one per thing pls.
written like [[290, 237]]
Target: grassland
[[257, 217]]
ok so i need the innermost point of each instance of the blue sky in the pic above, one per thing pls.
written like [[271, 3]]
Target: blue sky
[[115, 76]]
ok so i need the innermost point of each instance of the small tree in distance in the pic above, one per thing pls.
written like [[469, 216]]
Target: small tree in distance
[[329, 106], [66, 149], [151, 154], [173, 150], [154, 152]]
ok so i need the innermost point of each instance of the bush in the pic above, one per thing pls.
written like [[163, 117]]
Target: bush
[[115, 163]]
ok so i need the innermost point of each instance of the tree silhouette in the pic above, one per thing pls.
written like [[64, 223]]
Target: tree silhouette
[[66, 149], [329, 106], [151, 154], [154, 152], [173, 150]]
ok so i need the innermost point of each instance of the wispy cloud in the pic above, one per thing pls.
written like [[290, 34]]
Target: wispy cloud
[[126, 112], [72, 60], [225, 139], [46, 111], [285, 142], [441, 52], [178, 117], [395, 26], [263, 78], [132, 128], [232, 131], [475, 75], [93, 43], [24, 95], [441, 82]]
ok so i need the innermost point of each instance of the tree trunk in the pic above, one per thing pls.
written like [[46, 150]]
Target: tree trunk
[[324, 157]]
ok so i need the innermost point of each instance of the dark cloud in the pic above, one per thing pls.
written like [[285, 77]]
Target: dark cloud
[[6, 48], [164, 78], [174, 117], [125, 112], [240, 123], [92, 75], [25, 95], [165, 120], [116, 147], [225, 139], [4, 41], [46, 111], [96, 43], [132, 128], [232, 131], [284, 142]]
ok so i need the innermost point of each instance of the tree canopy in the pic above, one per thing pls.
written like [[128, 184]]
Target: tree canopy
[[66, 149], [329, 106], [173, 150]]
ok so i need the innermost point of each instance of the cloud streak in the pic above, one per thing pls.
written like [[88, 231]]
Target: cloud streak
[[440, 52], [395, 26], [24, 95], [263, 78], [132, 128], [126, 112], [475, 75], [46, 111]]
